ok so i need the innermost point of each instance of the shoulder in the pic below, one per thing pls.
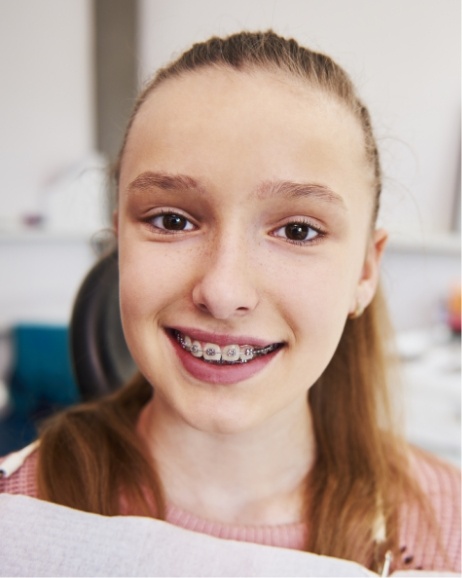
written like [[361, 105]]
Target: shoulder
[[441, 484], [431, 532], [436, 477], [23, 479]]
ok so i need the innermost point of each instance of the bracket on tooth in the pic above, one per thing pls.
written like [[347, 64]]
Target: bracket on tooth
[[247, 353], [230, 353], [211, 352]]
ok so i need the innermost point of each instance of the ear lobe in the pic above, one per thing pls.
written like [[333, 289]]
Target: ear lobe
[[369, 279]]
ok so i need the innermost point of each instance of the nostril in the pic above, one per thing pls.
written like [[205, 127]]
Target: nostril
[[223, 293], [202, 307]]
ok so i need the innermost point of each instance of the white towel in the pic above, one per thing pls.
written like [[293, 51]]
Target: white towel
[[42, 539]]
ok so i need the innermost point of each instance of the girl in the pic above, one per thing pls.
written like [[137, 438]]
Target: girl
[[248, 190]]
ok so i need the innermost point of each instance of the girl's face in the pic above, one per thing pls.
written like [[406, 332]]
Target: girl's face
[[244, 228]]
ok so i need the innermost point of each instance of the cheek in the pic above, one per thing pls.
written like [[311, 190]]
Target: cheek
[[316, 290], [316, 305], [149, 279]]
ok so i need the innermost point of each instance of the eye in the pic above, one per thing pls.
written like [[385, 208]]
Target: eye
[[171, 222], [298, 232]]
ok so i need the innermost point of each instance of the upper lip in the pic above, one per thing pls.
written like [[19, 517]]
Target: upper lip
[[221, 338]]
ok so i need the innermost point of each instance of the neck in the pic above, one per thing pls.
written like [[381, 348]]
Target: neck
[[253, 477]]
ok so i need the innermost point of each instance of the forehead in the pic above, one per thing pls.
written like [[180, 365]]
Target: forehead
[[266, 119]]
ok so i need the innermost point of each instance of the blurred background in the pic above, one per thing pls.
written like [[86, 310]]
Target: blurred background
[[69, 75]]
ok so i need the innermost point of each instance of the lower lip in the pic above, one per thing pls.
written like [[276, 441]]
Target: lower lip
[[220, 374]]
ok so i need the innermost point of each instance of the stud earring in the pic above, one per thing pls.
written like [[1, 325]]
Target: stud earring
[[359, 310]]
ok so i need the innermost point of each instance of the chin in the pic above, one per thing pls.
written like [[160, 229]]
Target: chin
[[223, 420]]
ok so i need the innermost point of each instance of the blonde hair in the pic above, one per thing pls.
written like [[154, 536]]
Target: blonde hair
[[91, 455]]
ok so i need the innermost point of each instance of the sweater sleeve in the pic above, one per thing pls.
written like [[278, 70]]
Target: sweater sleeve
[[432, 542], [23, 481]]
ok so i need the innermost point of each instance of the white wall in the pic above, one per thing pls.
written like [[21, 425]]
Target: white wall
[[40, 277], [417, 285], [46, 127], [46, 98], [404, 57]]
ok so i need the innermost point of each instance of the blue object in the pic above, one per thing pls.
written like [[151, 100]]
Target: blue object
[[41, 382], [42, 373]]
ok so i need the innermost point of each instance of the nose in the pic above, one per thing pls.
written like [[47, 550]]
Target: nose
[[226, 284]]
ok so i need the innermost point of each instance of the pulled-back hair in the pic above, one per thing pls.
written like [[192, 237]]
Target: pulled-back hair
[[90, 455]]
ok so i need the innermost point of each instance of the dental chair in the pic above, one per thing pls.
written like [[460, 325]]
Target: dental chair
[[100, 357]]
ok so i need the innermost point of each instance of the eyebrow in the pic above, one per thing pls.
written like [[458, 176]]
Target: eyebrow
[[165, 181], [288, 189], [294, 190]]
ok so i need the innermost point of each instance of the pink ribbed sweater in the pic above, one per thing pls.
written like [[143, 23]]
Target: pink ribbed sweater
[[440, 482]]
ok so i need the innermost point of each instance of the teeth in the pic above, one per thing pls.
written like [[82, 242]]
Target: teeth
[[211, 352], [196, 348], [246, 353], [227, 354], [231, 353]]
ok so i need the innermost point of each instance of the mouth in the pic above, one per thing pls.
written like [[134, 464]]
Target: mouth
[[230, 354]]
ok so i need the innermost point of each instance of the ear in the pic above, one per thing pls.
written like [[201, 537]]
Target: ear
[[369, 279], [115, 222]]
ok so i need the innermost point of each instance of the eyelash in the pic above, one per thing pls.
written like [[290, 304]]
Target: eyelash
[[166, 213], [320, 233]]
